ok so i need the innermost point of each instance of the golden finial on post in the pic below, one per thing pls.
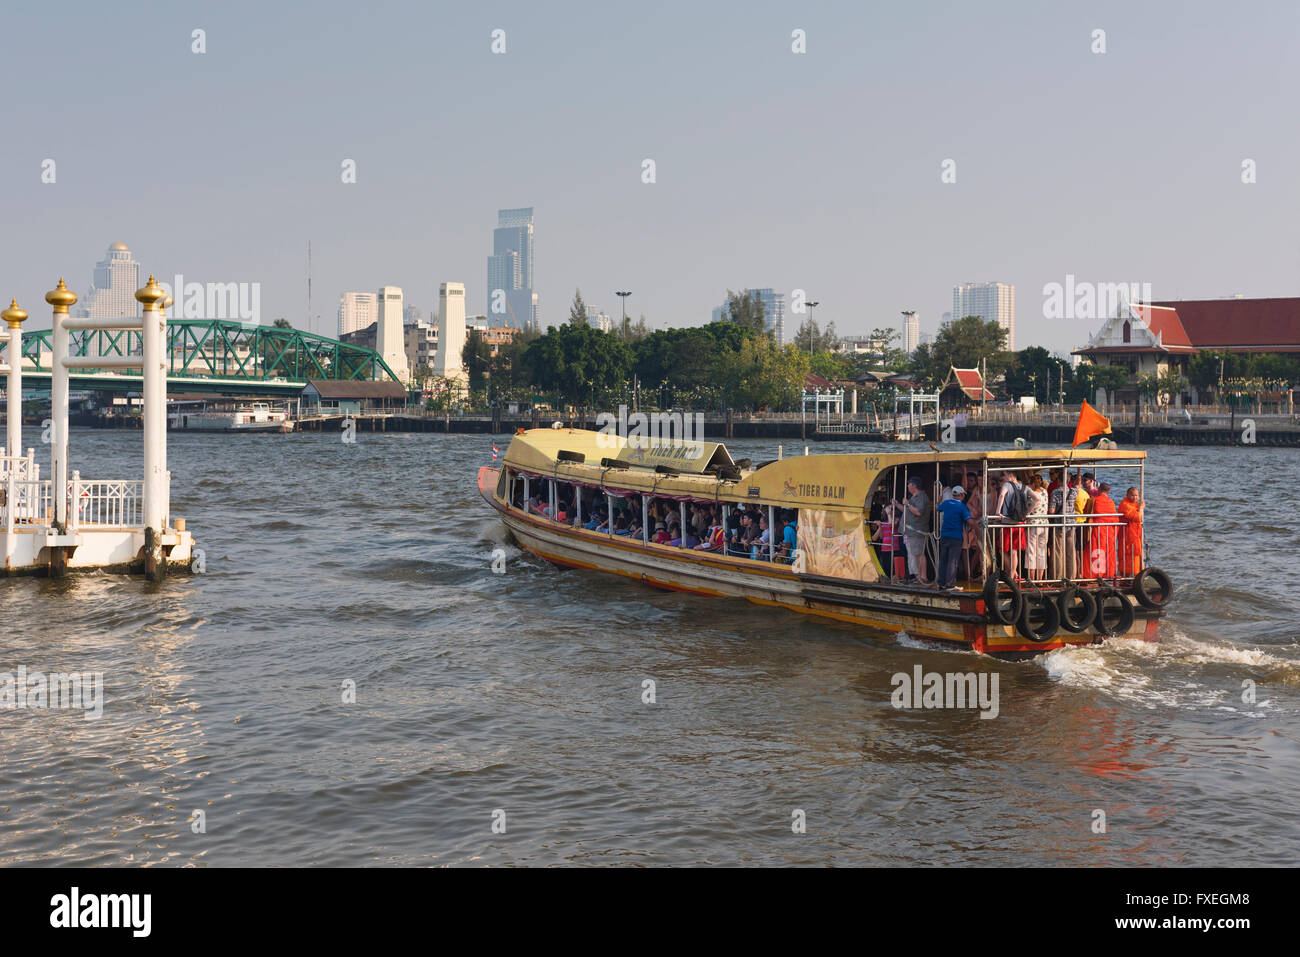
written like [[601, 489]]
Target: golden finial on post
[[13, 315], [165, 305], [61, 297], [149, 294]]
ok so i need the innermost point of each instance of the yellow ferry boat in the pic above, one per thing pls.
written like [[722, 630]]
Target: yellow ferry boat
[[587, 500]]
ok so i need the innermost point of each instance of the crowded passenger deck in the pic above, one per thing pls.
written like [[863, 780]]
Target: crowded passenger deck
[[1013, 550]]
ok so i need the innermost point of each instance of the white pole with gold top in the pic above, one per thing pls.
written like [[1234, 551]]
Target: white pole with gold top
[[163, 306], [13, 317], [154, 407], [61, 297]]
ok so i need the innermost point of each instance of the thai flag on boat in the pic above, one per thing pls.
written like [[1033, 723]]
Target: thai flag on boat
[[496, 453]]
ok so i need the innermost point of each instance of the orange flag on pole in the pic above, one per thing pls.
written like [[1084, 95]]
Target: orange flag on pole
[[1091, 422]]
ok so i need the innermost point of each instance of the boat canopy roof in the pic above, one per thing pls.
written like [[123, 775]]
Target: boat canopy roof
[[705, 470]]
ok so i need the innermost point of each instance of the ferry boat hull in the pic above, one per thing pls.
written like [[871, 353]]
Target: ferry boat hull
[[959, 618]]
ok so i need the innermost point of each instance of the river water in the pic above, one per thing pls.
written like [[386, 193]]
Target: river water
[[517, 698]]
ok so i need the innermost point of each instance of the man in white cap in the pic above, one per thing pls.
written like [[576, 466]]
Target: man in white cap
[[953, 515]]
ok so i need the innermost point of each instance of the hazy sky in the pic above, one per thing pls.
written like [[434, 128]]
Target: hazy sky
[[819, 171]]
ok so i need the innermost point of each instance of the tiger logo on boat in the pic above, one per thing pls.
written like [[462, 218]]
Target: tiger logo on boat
[[790, 490]]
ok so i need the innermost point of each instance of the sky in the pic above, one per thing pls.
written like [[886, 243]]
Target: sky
[[819, 171]]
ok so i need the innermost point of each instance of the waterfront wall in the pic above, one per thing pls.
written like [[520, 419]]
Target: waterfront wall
[[1274, 434]]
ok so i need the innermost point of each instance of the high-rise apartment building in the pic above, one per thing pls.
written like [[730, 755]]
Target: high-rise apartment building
[[356, 311], [113, 286], [911, 332], [990, 301], [773, 312], [510, 297]]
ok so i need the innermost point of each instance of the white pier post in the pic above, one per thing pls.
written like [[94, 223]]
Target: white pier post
[[13, 317], [162, 413], [61, 297], [154, 406]]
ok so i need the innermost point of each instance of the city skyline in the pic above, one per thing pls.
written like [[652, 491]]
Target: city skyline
[[866, 225]]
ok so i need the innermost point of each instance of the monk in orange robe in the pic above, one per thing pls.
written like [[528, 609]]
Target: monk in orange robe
[[1101, 540], [1132, 510]]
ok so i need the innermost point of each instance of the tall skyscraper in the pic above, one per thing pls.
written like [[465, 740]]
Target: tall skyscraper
[[911, 332], [773, 312], [451, 330], [390, 340], [356, 311], [990, 301], [112, 290], [510, 297]]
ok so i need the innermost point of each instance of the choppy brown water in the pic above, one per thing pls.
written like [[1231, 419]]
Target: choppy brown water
[[522, 692]]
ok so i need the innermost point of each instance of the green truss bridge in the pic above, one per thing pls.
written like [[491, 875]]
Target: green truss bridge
[[211, 356]]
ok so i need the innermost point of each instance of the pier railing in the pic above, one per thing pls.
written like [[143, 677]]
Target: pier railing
[[116, 504]]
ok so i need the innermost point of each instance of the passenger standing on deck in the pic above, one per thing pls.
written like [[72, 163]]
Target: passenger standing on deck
[[916, 529], [1102, 538], [953, 518], [973, 537], [1011, 510], [1132, 510], [1056, 513], [1076, 504], [1036, 539]]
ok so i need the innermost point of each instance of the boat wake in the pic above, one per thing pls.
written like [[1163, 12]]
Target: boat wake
[[1180, 672]]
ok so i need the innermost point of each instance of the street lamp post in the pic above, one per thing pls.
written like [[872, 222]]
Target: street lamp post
[[623, 296], [811, 325]]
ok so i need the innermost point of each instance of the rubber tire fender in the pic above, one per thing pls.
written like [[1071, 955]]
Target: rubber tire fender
[[1162, 581], [1126, 617], [1051, 617], [993, 602], [1065, 605]]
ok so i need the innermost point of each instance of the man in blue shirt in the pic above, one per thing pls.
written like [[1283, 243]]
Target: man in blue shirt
[[954, 515]]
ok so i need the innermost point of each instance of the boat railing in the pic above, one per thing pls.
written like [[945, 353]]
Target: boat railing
[[1103, 556]]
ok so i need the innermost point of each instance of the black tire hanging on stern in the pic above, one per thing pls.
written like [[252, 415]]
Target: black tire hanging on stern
[[1162, 581], [1076, 624], [993, 599], [1038, 605], [1125, 615]]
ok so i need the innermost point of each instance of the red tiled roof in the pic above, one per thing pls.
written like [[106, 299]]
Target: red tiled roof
[[970, 382], [814, 381], [1164, 322], [1259, 325]]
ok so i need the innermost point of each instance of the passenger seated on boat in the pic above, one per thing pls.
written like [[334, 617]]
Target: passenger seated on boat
[[597, 520], [789, 537], [634, 527], [745, 536], [712, 541], [758, 549], [660, 537]]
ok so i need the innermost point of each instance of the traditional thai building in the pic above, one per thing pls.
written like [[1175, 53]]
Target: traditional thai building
[[963, 387], [1148, 339]]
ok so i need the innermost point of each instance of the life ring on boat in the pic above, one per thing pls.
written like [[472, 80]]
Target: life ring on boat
[[1112, 620], [1076, 618], [1163, 583], [995, 601], [1039, 619]]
